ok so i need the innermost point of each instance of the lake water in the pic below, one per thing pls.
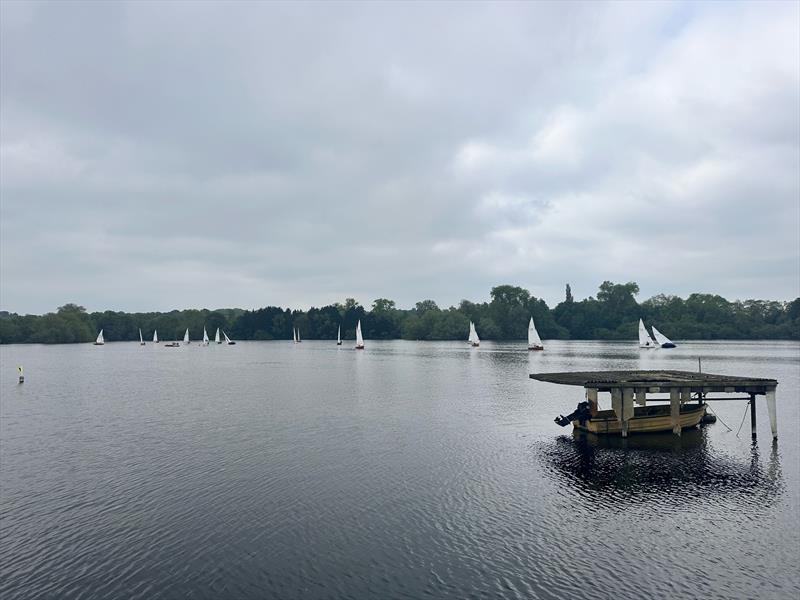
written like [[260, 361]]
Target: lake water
[[408, 470]]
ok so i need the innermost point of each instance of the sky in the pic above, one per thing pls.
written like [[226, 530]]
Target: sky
[[175, 155]]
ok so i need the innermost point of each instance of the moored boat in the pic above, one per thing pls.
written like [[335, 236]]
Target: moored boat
[[685, 406]]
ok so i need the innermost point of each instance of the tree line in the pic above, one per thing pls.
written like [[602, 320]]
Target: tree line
[[612, 315]]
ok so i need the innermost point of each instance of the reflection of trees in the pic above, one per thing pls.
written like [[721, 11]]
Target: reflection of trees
[[659, 464]]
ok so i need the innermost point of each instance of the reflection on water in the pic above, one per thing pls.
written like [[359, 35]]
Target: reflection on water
[[660, 464]]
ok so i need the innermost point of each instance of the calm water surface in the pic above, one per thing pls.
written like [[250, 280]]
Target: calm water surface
[[408, 470]]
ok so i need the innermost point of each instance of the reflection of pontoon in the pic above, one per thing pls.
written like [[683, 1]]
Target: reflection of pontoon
[[687, 396]]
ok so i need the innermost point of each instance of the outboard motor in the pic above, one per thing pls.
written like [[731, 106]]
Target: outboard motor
[[581, 414]]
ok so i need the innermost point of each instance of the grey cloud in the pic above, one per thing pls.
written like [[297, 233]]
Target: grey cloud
[[156, 155]]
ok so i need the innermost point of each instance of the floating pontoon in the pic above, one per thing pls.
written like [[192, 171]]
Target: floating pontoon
[[688, 394]]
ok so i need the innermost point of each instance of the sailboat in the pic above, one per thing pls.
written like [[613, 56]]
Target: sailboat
[[216, 337], [186, 337], [662, 339], [205, 336], [155, 336], [473, 339], [141, 339], [645, 341], [359, 338], [339, 336], [99, 341], [295, 335], [534, 341], [228, 340]]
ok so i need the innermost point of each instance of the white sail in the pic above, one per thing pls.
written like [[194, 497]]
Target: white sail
[[534, 341], [141, 339], [473, 335], [359, 338], [100, 341], [645, 341], [155, 336], [294, 335], [663, 340], [227, 339], [339, 335], [216, 337], [205, 336], [298, 334], [186, 336]]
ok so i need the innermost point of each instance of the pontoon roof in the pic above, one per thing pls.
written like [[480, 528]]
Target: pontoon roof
[[704, 382]]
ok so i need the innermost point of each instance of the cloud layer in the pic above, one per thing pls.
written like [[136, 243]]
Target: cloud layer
[[161, 155]]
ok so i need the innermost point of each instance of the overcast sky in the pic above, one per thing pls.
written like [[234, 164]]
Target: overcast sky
[[172, 155]]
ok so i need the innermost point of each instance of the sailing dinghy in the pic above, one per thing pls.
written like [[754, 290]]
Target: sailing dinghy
[[141, 339], [534, 341], [186, 337], [99, 341], [339, 336], [228, 340], [359, 338], [205, 336], [155, 336], [645, 341], [662, 339], [473, 339], [216, 337]]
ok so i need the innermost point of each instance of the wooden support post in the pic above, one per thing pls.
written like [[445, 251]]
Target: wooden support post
[[753, 430], [773, 415], [616, 402], [675, 410], [591, 398], [627, 409]]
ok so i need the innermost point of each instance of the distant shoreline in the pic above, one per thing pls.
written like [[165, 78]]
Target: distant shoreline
[[613, 315]]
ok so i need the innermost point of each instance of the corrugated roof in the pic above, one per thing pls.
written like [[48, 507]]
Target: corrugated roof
[[603, 379]]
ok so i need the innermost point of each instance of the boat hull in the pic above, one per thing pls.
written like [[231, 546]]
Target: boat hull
[[646, 419], [535, 348], [668, 345]]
